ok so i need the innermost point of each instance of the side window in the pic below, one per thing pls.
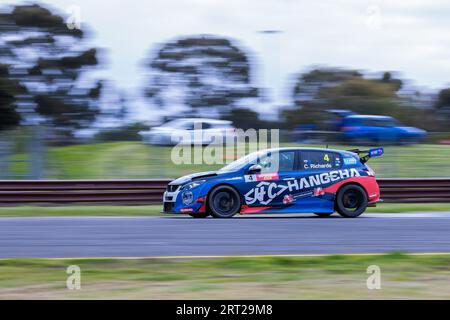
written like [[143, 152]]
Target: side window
[[206, 125], [277, 161], [320, 160], [287, 161], [188, 126]]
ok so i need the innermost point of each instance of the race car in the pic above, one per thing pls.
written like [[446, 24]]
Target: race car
[[282, 180]]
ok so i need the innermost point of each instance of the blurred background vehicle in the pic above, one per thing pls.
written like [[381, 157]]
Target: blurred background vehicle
[[190, 131], [370, 129], [348, 127]]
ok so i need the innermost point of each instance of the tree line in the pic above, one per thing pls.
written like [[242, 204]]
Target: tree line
[[43, 64]]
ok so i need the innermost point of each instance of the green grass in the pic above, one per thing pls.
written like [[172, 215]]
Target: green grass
[[409, 207], [327, 277], [137, 160], [155, 210], [93, 210]]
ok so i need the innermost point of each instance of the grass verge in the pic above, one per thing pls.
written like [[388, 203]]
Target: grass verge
[[327, 277], [138, 160]]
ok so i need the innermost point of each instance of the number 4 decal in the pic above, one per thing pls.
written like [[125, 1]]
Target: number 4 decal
[[326, 158]]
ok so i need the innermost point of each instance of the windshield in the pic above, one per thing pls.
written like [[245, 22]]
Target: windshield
[[240, 163]]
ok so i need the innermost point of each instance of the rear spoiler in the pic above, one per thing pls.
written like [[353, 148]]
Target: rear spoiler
[[367, 154]]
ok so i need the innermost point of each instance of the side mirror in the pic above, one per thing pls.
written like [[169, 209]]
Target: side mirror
[[256, 168]]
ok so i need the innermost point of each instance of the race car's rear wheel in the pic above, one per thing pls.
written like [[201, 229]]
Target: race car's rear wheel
[[351, 201], [224, 202]]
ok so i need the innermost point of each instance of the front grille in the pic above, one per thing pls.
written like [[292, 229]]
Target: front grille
[[168, 206], [172, 187]]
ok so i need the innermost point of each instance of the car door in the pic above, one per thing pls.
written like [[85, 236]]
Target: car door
[[208, 133], [186, 131], [388, 132], [268, 187], [307, 192], [381, 130]]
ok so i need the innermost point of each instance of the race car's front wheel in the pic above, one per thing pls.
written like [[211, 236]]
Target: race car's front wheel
[[224, 202], [351, 201]]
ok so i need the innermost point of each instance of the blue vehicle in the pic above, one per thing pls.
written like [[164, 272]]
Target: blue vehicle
[[286, 180], [366, 129]]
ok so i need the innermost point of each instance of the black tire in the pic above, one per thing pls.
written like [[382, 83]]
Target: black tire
[[351, 201], [323, 214], [224, 202], [199, 214]]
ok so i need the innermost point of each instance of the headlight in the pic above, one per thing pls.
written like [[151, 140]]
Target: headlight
[[187, 197], [193, 184]]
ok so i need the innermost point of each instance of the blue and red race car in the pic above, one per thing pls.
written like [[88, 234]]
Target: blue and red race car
[[285, 180]]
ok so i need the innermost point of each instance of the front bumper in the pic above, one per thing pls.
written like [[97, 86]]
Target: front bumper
[[172, 203]]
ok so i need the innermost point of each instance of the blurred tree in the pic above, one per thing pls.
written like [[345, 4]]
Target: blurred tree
[[49, 59], [243, 118], [387, 78], [308, 85], [443, 100], [9, 89], [362, 96], [372, 96], [309, 105], [200, 71], [442, 108], [319, 90]]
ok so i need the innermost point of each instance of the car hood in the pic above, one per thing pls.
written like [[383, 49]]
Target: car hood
[[162, 129], [194, 176], [156, 130]]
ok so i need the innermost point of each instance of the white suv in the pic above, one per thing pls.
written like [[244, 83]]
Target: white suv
[[190, 131]]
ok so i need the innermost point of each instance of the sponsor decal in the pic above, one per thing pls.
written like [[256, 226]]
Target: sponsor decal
[[288, 199], [267, 176], [318, 192], [261, 177], [376, 152], [186, 210], [250, 178], [350, 161], [337, 162], [264, 192]]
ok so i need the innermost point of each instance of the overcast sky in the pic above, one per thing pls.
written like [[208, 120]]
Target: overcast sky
[[411, 36]]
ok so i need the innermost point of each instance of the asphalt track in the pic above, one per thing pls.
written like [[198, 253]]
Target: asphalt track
[[180, 236]]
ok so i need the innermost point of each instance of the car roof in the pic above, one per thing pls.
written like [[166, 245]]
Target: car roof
[[307, 149], [363, 116]]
